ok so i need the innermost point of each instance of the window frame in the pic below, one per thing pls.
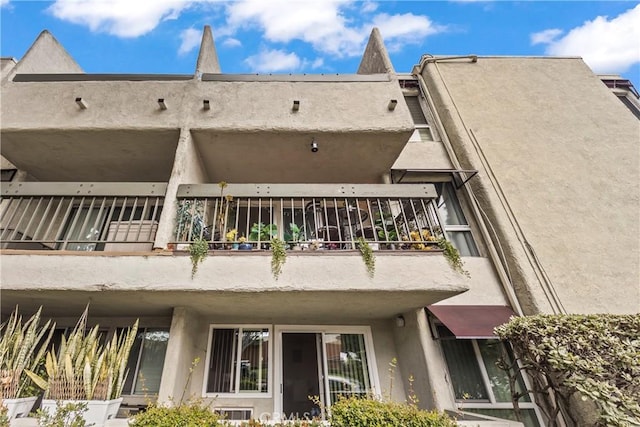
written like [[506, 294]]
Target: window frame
[[455, 228], [463, 404], [136, 371], [238, 394]]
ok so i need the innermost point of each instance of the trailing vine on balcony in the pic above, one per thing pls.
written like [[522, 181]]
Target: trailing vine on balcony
[[453, 256], [198, 250], [278, 256], [367, 256]]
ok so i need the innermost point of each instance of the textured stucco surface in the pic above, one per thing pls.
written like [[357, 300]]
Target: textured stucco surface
[[563, 152], [306, 287]]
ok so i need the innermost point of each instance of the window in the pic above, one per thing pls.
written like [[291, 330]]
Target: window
[[453, 220], [423, 131], [146, 361], [238, 360], [478, 383], [6, 175]]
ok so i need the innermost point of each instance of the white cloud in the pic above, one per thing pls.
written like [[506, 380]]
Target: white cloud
[[369, 6], [605, 45], [545, 37], [122, 18], [407, 28], [191, 38], [4, 3], [326, 25], [231, 42], [317, 63], [274, 60]]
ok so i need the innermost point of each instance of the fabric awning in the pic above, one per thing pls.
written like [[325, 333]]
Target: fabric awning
[[472, 321]]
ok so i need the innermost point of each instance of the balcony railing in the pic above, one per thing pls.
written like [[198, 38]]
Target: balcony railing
[[309, 216], [80, 216]]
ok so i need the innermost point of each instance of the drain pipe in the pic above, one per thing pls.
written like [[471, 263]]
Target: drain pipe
[[493, 252]]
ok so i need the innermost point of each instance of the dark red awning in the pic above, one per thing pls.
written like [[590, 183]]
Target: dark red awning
[[472, 321]]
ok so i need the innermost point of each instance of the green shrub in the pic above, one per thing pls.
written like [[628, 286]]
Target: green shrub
[[370, 412], [595, 357], [67, 415], [193, 413]]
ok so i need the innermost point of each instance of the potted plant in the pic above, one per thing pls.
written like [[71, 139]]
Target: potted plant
[[22, 347], [84, 371], [294, 237], [263, 233], [244, 246]]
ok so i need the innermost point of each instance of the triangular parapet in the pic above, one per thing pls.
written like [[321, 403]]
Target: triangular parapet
[[47, 56], [207, 57], [375, 59]]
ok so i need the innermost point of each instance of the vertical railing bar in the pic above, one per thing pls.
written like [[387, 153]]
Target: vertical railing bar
[[86, 219], [259, 221], [98, 217], [325, 219], [282, 218], [429, 215], [307, 236], [105, 232], [153, 218], [15, 231], [383, 221], [35, 212], [223, 232], [16, 206], [131, 216], [120, 216], [348, 211], [43, 219], [237, 219], [393, 219], [65, 242], [216, 217], [203, 226], [338, 222], [248, 226], [142, 218], [65, 219], [372, 219], [406, 221], [415, 215], [9, 201], [193, 211]]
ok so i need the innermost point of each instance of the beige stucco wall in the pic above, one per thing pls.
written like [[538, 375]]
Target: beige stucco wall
[[559, 175]]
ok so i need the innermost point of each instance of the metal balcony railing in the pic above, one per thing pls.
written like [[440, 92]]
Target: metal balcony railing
[[80, 216], [309, 216]]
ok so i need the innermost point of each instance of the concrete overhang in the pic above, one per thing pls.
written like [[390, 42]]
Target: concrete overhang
[[92, 155], [313, 285], [286, 156]]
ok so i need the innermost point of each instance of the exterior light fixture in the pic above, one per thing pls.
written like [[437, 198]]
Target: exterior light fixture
[[400, 321], [314, 146], [162, 104], [206, 105], [392, 104], [82, 104], [296, 105]]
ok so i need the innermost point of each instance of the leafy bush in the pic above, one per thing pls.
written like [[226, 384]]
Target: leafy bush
[[193, 413], [595, 357], [370, 412], [68, 415]]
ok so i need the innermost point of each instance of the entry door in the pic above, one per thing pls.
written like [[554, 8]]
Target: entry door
[[301, 374]]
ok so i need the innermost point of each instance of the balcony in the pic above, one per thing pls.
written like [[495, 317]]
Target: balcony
[[309, 217], [80, 216]]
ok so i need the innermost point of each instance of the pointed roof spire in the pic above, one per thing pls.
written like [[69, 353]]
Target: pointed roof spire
[[46, 56], [207, 57], [375, 58]]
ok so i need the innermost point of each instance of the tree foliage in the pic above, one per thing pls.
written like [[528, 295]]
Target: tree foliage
[[573, 358]]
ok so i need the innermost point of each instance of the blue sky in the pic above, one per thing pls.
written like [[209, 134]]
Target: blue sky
[[321, 36]]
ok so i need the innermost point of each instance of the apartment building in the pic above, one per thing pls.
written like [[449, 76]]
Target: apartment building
[[528, 166]]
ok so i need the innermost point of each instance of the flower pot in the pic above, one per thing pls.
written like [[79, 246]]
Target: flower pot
[[19, 408], [98, 411], [245, 247]]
